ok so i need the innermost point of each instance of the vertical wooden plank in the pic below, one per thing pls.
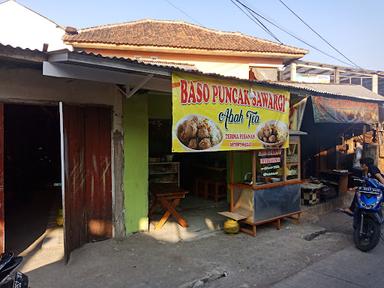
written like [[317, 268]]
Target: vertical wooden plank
[[2, 219], [105, 128], [92, 175], [118, 209], [75, 234], [232, 180], [299, 157], [98, 184], [284, 152], [254, 169]]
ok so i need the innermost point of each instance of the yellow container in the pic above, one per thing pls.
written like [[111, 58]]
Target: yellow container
[[231, 227], [59, 218]]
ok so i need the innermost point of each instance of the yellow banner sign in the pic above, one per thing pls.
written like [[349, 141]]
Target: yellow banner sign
[[217, 115]]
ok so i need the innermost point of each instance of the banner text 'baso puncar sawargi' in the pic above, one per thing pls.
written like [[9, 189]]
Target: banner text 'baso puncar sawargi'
[[220, 115]]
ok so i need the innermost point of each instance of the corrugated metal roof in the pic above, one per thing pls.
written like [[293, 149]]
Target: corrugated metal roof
[[345, 90], [17, 53]]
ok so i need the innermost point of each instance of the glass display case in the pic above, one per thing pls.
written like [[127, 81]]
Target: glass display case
[[269, 166], [274, 192]]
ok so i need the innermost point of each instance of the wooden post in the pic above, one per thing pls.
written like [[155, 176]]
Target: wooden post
[[232, 180], [293, 72], [254, 168], [285, 164], [299, 155], [375, 83], [337, 76], [364, 131], [118, 209]]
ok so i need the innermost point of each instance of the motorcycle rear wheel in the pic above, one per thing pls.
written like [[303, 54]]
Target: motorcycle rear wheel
[[370, 236]]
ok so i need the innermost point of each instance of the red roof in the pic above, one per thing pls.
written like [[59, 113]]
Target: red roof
[[175, 34]]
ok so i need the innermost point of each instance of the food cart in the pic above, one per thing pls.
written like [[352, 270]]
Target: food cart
[[271, 192]]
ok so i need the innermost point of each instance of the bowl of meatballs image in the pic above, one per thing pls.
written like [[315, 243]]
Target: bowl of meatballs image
[[196, 132], [272, 133]]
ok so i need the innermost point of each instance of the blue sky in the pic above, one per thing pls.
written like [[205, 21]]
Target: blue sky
[[353, 26]]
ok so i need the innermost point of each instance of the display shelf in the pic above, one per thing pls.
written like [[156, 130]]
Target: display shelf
[[162, 163], [164, 173], [292, 159], [164, 182]]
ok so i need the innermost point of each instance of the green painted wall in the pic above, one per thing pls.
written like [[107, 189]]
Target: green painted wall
[[137, 110], [135, 122], [242, 163], [160, 106]]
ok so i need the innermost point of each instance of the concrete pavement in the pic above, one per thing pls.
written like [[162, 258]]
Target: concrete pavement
[[348, 268], [216, 261]]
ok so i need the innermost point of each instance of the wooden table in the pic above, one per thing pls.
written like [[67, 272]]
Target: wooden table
[[168, 197], [339, 177]]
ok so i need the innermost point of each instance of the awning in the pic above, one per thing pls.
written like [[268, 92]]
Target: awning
[[331, 110]]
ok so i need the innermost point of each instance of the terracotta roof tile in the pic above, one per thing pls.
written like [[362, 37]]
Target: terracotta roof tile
[[176, 34]]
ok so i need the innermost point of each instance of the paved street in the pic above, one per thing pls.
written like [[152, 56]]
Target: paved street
[[317, 254], [348, 268]]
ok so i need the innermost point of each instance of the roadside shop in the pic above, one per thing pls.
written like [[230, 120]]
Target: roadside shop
[[341, 130], [56, 154], [217, 138], [231, 140]]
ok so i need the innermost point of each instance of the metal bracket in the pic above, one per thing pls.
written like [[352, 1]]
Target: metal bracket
[[140, 85]]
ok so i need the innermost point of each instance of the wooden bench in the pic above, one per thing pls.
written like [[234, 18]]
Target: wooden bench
[[168, 198]]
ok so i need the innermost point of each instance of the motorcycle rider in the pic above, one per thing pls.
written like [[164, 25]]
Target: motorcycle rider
[[369, 170]]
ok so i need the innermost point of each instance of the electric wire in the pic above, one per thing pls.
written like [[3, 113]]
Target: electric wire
[[182, 11], [291, 34], [318, 34], [257, 22]]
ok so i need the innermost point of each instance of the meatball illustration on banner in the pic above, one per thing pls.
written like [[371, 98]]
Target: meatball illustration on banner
[[197, 132], [272, 133]]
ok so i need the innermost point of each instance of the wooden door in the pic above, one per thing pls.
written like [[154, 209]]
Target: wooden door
[[98, 181], [2, 217], [73, 178], [87, 189]]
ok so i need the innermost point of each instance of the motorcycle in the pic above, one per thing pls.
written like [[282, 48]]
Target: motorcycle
[[368, 217], [9, 276]]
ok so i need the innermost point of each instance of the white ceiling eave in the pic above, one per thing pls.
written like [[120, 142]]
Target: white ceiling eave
[[78, 66]]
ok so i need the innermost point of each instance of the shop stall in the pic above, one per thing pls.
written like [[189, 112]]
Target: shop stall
[[337, 128], [251, 124], [271, 191]]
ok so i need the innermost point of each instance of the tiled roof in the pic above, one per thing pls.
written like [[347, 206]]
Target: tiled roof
[[175, 34]]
